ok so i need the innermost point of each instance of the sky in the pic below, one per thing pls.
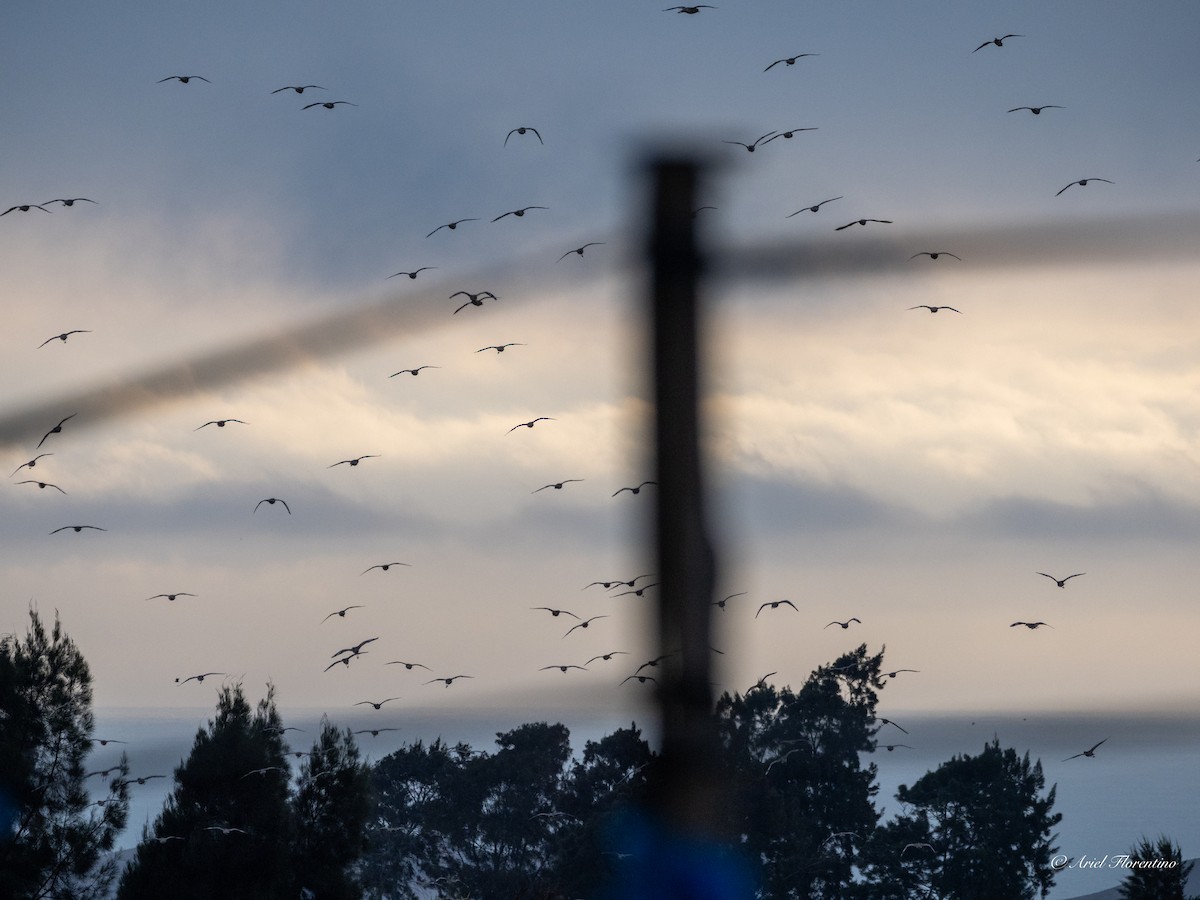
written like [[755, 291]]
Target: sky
[[912, 470]]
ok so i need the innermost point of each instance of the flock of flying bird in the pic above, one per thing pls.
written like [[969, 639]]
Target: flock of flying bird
[[342, 659]]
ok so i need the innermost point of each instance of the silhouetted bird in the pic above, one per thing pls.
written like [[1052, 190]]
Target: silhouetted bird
[[721, 603], [183, 79], [298, 88], [271, 501], [934, 309], [530, 423], [934, 254], [500, 348], [1061, 582], [750, 147], [78, 528], [25, 207], [558, 485], [1037, 110], [999, 42], [384, 566], [408, 665], [578, 251], [637, 489], [414, 273], [775, 604], [69, 201], [556, 612], [518, 212], [1082, 182], [845, 624], [330, 104], [378, 705], [1089, 753], [57, 429], [563, 668], [449, 681], [30, 464], [787, 135], [171, 597], [1030, 625], [341, 612], [814, 208], [63, 337], [451, 225], [789, 60], [220, 423], [688, 10], [42, 484], [522, 129], [353, 462], [415, 371], [197, 678], [863, 222]]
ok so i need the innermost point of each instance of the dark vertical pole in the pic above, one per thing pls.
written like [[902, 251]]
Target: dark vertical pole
[[687, 796]]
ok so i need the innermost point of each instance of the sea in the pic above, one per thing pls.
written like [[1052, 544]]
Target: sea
[[1143, 781]]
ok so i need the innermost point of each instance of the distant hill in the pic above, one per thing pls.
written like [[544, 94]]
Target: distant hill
[[1193, 886]]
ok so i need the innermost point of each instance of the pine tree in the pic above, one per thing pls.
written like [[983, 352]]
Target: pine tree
[[329, 815], [224, 830], [1149, 879], [53, 841]]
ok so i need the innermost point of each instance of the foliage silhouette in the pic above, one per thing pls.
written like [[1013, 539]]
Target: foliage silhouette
[[1153, 883], [53, 841]]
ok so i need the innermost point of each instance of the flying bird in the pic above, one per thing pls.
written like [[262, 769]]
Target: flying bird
[[271, 501], [57, 429], [1061, 582], [640, 592], [518, 212], [225, 830], [413, 372], [814, 208], [451, 225], [721, 603], [890, 747], [578, 251], [104, 742], [845, 624], [30, 464], [299, 88], [558, 485], [750, 147], [449, 681], [634, 490], [413, 274], [897, 672], [345, 660], [341, 612], [264, 770], [1082, 182], [69, 201], [641, 679], [171, 597], [789, 60], [563, 668], [1089, 753], [556, 612], [606, 656], [63, 337], [775, 604], [999, 42], [934, 254], [919, 845], [141, 779], [378, 705], [375, 732], [688, 10], [78, 528], [499, 348], [25, 207], [863, 222], [353, 462], [356, 649], [890, 722], [530, 423], [521, 130], [220, 423], [41, 484], [384, 566], [1037, 110], [408, 665], [787, 135], [472, 299], [633, 581], [197, 678], [330, 104], [584, 624], [934, 309], [1030, 625], [182, 79]]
